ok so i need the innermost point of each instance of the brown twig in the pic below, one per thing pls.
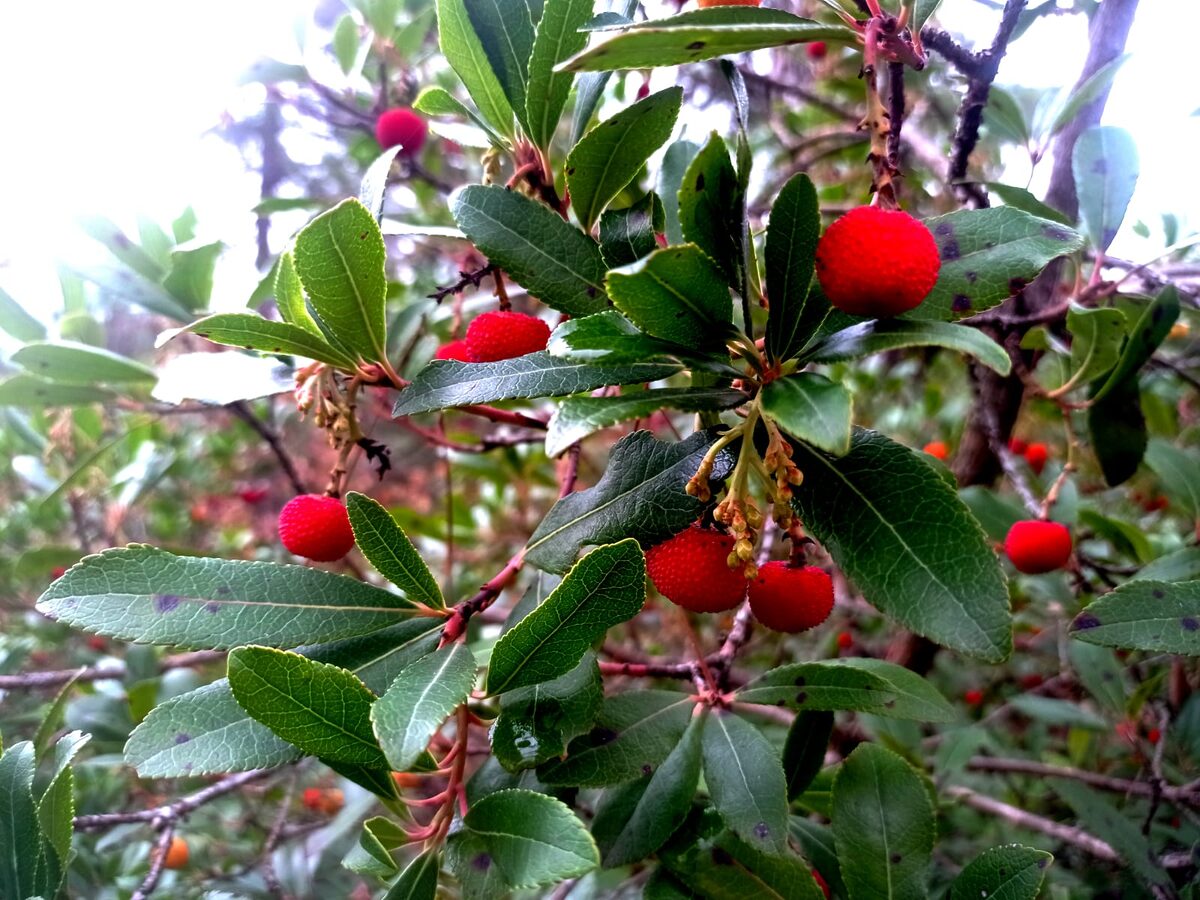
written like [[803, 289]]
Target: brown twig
[[1189, 795], [173, 812], [158, 860], [58, 677], [242, 411], [456, 625]]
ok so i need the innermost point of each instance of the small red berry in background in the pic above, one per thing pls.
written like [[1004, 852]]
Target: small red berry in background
[[691, 570], [401, 126], [937, 449], [1155, 504], [97, 643], [1017, 446], [845, 640], [177, 853], [252, 494], [816, 50], [316, 527], [973, 697], [1035, 547], [821, 881], [327, 801], [791, 598], [1154, 735], [58, 572], [1036, 455], [457, 350], [1031, 681], [877, 263], [504, 335]]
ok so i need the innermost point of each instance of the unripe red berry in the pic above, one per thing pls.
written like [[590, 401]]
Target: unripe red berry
[[845, 640], [252, 494], [97, 643], [1036, 547], [1036, 455], [973, 697], [691, 570], [316, 527], [1154, 735], [504, 335], [877, 262], [937, 449], [327, 801], [816, 50], [401, 126], [454, 350], [791, 598], [1031, 681], [58, 572]]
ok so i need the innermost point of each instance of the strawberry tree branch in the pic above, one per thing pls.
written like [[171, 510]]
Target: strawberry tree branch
[[58, 677], [168, 814], [1186, 794], [158, 860], [456, 625]]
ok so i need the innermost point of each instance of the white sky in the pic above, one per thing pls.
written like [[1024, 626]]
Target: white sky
[[105, 105]]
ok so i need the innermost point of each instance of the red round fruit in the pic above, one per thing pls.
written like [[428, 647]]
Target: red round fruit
[[937, 449], [877, 262], [504, 335], [252, 494], [316, 527], [177, 853], [816, 50], [1031, 681], [845, 640], [454, 350], [1154, 735], [1036, 455], [692, 570], [1036, 547], [312, 798], [1017, 446], [401, 126], [791, 598], [973, 697]]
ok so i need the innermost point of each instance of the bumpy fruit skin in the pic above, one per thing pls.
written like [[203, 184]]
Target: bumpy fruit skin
[[877, 263], [504, 335], [691, 570], [705, 4], [816, 50], [177, 853], [401, 126], [791, 598], [455, 350], [316, 527], [1036, 455], [937, 449], [1036, 547]]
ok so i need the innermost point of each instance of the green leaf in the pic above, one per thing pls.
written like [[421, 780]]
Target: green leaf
[[605, 588], [592, 84], [536, 722], [804, 750], [119, 245], [636, 819], [1178, 472], [16, 322], [126, 285], [372, 191], [436, 101], [1156, 616], [478, 875], [915, 698], [676, 294], [1055, 712], [987, 256], [340, 258], [55, 814], [698, 35], [190, 280], [19, 833], [204, 732], [143, 594], [641, 495], [558, 37], [253, 332], [626, 235], [1105, 166], [746, 781], [1117, 431], [578, 417], [464, 51], [609, 338], [386, 547], [922, 10], [1011, 872], [820, 686], [67, 362], [1079, 97], [533, 839], [634, 732], [817, 844], [554, 260], [411, 711], [1145, 337], [881, 335], [345, 43], [289, 298], [791, 247], [897, 528], [611, 154], [372, 855], [1121, 831], [670, 179], [711, 207], [419, 880], [322, 709], [1182, 565], [1097, 335], [812, 408], [883, 823], [30, 392], [505, 30], [1025, 201], [445, 383]]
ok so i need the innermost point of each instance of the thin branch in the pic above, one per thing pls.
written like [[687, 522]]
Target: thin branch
[[173, 812], [158, 859], [456, 625], [115, 671], [473, 278], [242, 410], [1186, 794]]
